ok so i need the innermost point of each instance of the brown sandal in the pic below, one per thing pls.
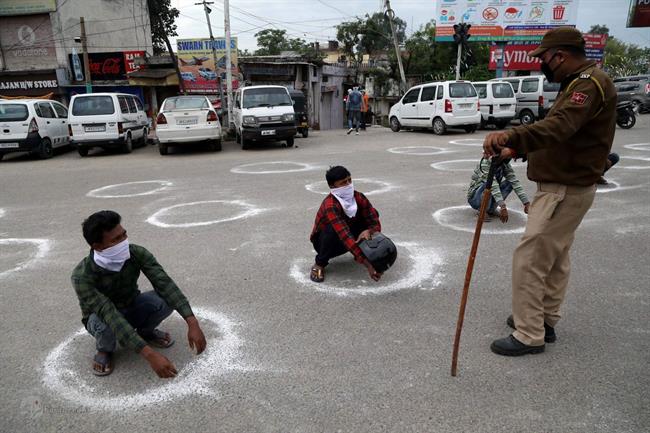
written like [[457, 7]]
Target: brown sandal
[[158, 339], [317, 275], [103, 364]]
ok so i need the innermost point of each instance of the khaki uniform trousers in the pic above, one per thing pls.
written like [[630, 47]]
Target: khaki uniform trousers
[[540, 265]]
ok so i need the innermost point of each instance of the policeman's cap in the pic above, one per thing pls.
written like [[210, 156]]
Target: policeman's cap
[[559, 37]]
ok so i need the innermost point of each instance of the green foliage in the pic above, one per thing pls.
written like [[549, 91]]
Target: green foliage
[[162, 17], [271, 42], [369, 35], [621, 58]]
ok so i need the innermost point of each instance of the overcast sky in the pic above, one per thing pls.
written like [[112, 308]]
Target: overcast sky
[[315, 20]]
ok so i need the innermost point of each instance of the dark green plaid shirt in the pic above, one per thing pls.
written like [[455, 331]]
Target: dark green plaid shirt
[[105, 292]]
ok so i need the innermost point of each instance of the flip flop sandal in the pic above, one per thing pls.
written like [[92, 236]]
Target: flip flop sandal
[[103, 364], [159, 339], [317, 275]]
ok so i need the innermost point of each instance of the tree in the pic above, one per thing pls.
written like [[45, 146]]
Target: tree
[[271, 42], [598, 29], [348, 34], [162, 17], [369, 35]]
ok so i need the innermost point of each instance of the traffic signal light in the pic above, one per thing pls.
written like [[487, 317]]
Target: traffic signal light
[[461, 33]]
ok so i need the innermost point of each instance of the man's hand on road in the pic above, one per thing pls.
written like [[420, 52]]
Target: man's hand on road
[[364, 235], [503, 215], [526, 207], [493, 143], [159, 363], [376, 276], [195, 337]]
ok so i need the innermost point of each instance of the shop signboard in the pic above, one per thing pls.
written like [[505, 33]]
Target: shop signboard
[[639, 14], [112, 66]]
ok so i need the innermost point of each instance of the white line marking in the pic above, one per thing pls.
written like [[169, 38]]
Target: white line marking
[[415, 150], [468, 142], [42, 248], [249, 210], [442, 165], [221, 356], [638, 146], [300, 166], [321, 187], [2, 212], [101, 192], [635, 167], [423, 272], [449, 216]]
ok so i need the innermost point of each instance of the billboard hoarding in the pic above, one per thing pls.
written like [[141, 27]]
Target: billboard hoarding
[[639, 15], [499, 20], [199, 73], [26, 7], [112, 66]]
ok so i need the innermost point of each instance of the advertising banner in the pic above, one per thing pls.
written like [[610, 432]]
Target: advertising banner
[[27, 42], [199, 73], [110, 66], [500, 20], [28, 83], [26, 7], [639, 15], [515, 56]]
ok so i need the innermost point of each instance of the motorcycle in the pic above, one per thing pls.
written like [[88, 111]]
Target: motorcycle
[[625, 117]]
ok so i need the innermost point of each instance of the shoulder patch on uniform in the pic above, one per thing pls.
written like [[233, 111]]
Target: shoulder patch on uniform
[[579, 98], [585, 75]]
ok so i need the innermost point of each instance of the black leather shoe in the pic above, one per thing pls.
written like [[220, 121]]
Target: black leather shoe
[[549, 332], [510, 346]]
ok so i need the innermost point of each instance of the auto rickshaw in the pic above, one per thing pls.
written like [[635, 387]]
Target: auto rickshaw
[[300, 110]]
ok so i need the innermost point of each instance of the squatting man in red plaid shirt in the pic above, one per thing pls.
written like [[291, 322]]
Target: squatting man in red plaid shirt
[[345, 218]]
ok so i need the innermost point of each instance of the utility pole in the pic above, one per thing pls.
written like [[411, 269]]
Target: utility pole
[[84, 46], [226, 20], [391, 16], [461, 35], [214, 49]]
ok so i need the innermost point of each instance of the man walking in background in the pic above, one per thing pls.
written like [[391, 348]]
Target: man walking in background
[[355, 99]]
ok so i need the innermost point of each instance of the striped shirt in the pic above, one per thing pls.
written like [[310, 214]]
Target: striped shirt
[[503, 173]]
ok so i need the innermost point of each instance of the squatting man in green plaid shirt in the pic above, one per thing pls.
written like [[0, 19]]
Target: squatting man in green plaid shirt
[[114, 310]]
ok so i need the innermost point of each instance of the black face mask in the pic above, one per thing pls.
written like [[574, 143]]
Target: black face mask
[[547, 71]]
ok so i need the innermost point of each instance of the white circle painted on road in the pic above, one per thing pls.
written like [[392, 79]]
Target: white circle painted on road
[[2, 212], [475, 142], [273, 167], [465, 165], [246, 210], [113, 191], [422, 274], [77, 385], [380, 186], [418, 150], [40, 248], [463, 218], [638, 146], [634, 167]]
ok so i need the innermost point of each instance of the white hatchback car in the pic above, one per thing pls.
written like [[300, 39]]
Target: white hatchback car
[[187, 119], [32, 125], [498, 103], [439, 106]]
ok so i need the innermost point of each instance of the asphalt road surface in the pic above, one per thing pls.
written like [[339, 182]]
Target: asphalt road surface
[[348, 355]]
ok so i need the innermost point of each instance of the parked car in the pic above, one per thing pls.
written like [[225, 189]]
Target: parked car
[[263, 114], [439, 106], [107, 120], [632, 78], [300, 111], [207, 73], [36, 126], [187, 119], [637, 92], [498, 102], [535, 96], [188, 76]]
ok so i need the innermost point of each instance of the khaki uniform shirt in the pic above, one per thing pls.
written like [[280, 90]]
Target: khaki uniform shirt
[[570, 146]]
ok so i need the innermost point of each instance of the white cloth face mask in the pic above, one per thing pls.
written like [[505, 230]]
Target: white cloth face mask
[[113, 258], [345, 196]]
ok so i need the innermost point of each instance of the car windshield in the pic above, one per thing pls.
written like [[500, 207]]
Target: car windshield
[[461, 90], [185, 103], [93, 105], [13, 112], [268, 97], [482, 90], [502, 90]]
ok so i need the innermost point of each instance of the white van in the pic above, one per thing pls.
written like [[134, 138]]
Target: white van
[[438, 106], [107, 120], [263, 113], [32, 125], [535, 96], [498, 103]]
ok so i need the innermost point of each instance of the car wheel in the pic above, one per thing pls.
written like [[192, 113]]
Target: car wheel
[[127, 147], [83, 151], [439, 127], [45, 150], [527, 117], [305, 133], [145, 134], [2, 155], [394, 124], [636, 106], [163, 149], [470, 129], [290, 142], [215, 145]]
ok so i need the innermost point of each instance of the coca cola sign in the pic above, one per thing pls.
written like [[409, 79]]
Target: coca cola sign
[[111, 66]]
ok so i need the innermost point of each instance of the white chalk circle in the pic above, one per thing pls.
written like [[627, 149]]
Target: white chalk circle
[[424, 264], [2, 212], [463, 218], [35, 250], [245, 210], [130, 189], [273, 167], [418, 150], [380, 186], [453, 164], [476, 142], [634, 167], [77, 385], [638, 146]]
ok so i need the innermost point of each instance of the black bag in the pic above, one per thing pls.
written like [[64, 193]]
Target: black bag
[[380, 251]]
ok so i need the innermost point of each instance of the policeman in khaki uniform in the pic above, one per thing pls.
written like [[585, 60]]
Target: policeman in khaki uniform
[[566, 152]]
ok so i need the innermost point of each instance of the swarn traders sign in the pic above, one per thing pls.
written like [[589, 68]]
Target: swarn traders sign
[[195, 60], [499, 20]]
